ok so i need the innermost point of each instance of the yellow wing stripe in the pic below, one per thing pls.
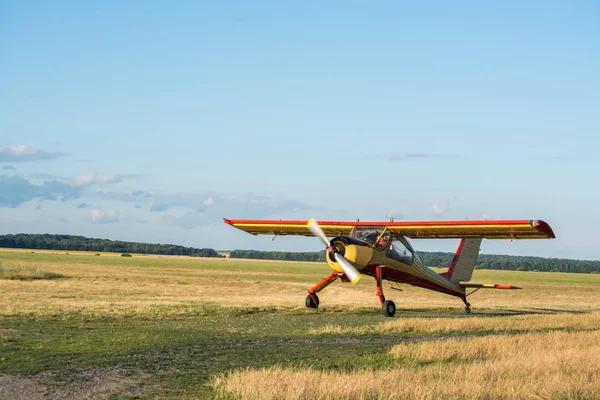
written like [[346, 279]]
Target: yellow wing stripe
[[299, 229]]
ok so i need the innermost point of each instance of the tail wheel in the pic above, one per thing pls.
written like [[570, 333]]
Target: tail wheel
[[389, 308], [310, 303]]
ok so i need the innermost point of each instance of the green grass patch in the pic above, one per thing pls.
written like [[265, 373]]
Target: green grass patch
[[25, 273]]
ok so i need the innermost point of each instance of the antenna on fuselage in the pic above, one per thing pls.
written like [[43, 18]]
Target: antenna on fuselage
[[387, 216]]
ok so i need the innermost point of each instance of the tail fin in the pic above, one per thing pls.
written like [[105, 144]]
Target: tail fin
[[463, 263]]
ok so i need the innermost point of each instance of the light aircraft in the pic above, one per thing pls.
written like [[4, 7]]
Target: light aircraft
[[383, 251]]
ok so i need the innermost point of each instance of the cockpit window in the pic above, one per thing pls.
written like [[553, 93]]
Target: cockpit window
[[367, 234], [374, 237], [400, 252]]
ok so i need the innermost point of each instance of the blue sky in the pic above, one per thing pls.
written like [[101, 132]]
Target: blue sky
[[151, 121]]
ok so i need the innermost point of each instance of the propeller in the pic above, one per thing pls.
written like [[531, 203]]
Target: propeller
[[315, 229], [350, 270]]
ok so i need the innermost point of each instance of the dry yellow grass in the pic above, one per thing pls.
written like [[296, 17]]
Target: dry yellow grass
[[114, 290], [498, 347], [470, 323], [553, 365], [562, 364], [178, 288]]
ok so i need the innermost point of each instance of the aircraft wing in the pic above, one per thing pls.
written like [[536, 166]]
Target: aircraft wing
[[509, 229]]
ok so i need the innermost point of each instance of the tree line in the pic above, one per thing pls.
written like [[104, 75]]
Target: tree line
[[313, 256], [430, 259], [81, 243], [441, 259], [516, 263]]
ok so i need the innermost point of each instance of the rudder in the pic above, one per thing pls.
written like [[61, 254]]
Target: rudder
[[463, 263]]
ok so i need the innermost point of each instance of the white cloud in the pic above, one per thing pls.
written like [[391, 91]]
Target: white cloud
[[20, 151], [104, 217], [91, 178], [16, 190], [51, 177], [85, 180], [214, 206], [441, 207], [109, 179], [23, 153]]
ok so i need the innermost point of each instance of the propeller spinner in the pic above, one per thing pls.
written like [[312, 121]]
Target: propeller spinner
[[350, 270]]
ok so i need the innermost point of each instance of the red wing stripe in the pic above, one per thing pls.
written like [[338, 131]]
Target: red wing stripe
[[507, 287], [385, 223]]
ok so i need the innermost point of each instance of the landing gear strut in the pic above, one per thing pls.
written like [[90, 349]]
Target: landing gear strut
[[388, 307], [312, 300], [467, 305]]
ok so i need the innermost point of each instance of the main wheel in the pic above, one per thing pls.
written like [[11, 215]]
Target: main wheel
[[310, 303], [468, 310], [388, 308]]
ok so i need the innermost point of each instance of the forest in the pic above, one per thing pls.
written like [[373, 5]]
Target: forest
[[515, 263], [81, 243], [313, 256]]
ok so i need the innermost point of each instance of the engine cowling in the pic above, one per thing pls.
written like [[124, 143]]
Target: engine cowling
[[355, 252]]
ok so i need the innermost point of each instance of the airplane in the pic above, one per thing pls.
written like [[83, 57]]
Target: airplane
[[383, 250]]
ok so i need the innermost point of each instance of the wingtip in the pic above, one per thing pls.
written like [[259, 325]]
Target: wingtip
[[543, 226]]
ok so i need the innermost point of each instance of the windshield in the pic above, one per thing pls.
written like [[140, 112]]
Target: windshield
[[369, 235]]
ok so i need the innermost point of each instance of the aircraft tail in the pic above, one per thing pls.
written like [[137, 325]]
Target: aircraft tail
[[463, 263]]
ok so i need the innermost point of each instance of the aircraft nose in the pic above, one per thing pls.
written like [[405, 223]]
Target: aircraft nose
[[358, 255], [338, 245]]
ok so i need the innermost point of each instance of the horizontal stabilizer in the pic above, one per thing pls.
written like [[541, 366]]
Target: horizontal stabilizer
[[486, 286]]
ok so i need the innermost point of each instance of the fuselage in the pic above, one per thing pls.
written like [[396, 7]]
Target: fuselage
[[368, 248]]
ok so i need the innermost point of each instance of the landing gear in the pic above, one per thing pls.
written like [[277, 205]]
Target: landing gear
[[388, 308], [310, 302], [467, 305]]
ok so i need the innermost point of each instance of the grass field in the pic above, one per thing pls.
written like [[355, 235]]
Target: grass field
[[147, 327]]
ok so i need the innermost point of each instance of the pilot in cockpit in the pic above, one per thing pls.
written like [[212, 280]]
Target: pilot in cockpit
[[371, 238]]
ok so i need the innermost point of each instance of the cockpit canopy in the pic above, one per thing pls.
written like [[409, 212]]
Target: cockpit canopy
[[379, 238], [376, 237]]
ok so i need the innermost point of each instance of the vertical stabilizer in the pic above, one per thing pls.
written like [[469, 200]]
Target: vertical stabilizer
[[463, 263]]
